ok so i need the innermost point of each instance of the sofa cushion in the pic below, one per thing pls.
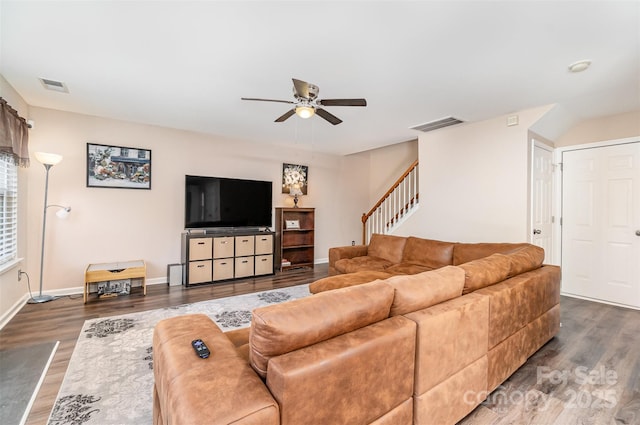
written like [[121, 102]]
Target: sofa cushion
[[524, 259], [485, 271], [427, 252], [345, 280], [465, 252], [387, 247], [422, 290], [352, 265], [407, 268], [282, 328]]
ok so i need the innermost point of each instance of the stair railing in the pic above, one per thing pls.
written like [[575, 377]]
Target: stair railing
[[393, 206]]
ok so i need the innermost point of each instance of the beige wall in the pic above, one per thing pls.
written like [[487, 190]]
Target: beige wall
[[387, 164], [118, 224], [601, 129], [474, 182], [13, 98], [378, 169]]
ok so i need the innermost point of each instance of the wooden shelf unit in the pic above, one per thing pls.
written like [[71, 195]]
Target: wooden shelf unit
[[296, 245]]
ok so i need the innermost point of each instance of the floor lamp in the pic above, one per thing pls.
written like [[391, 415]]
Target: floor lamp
[[48, 160]]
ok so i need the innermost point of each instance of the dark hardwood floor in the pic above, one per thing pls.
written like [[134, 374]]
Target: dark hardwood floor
[[588, 374], [62, 319]]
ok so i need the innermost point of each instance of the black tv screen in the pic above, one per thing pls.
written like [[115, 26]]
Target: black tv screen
[[225, 202]]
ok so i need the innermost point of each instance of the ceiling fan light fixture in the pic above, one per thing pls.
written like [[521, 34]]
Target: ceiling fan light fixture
[[307, 105], [305, 111]]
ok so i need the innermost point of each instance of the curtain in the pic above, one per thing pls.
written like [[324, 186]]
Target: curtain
[[14, 134]]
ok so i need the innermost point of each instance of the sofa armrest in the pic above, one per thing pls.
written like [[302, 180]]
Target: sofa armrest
[[338, 253], [220, 389]]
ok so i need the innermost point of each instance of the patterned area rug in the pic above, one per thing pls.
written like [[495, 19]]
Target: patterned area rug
[[109, 380]]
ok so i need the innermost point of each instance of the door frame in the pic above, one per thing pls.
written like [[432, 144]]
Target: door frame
[[537, 143], [558, 152]]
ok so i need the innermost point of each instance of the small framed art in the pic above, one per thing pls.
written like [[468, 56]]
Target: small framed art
[[292, 224]]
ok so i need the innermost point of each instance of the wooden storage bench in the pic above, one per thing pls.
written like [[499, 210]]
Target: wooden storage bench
[[102, 272]]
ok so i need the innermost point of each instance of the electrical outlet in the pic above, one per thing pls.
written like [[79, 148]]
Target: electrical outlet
[[19, 275]]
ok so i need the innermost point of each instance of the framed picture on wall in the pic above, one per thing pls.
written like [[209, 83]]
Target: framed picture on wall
[[118, 167], [294, 174]]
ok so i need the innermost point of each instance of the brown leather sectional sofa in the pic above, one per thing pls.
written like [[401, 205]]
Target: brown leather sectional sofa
[[421, 348], [388, 255]]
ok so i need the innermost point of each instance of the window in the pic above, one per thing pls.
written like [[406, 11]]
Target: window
[[8, 209]]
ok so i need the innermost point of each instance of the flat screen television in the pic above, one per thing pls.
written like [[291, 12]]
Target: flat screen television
[[212, 202]]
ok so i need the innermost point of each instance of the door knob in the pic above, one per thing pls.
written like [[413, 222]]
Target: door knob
[[637, 232], [537, 231]]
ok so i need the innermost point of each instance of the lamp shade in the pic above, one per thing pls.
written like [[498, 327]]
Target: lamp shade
[[48, 158], [294, 190], [63, 213], [305, 111]]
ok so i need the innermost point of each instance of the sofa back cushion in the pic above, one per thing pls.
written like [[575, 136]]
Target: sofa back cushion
[[282, 328], [465, 252], [495, 268], [387, 247], [525, 258], [361, 264], [427, 252], [485, 271], [422, 290]]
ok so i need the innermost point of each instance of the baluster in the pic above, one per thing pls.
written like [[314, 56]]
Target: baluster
[[404, 197]]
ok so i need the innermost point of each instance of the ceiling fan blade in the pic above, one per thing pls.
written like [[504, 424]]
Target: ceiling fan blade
[[301, 87], [328, 116], [342, 102], [285, 116], [266, 100]]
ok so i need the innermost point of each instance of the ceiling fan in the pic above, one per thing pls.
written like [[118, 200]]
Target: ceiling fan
[[307, 103]]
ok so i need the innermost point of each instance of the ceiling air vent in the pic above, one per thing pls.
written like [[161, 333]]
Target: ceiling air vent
[[434, 125], [54, 85]]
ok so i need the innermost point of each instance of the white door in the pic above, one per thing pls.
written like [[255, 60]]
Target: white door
[[541, 199], [601, 223]]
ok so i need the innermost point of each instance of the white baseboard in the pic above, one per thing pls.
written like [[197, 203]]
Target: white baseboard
[[75, 290], [599, 301], [15, 308], [80, 289]]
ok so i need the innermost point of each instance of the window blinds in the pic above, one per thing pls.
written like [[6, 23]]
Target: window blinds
[[8, 209]]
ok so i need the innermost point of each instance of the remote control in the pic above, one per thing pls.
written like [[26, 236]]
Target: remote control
[[201, 349]]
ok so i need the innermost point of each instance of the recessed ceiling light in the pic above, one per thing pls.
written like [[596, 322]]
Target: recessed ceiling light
[[579, 66]]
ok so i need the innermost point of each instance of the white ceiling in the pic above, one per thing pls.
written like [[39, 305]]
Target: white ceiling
[[186, 65]]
